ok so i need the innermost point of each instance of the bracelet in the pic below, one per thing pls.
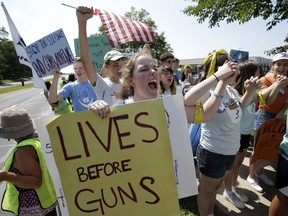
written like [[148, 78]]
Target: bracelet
[[216, 77], [215, 94]]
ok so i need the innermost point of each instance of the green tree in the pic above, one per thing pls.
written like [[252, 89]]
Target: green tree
[[3, 33], [159, 46], [10, 68], [241, 11]]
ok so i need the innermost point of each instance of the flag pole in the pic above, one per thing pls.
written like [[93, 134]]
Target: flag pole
[[69, 6], [95, 12]]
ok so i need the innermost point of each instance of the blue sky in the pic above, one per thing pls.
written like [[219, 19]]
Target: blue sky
[[36, 19]]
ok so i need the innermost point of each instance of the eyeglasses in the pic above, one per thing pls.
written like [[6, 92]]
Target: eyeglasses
[[175, 61], [168, 61], [166, 69]]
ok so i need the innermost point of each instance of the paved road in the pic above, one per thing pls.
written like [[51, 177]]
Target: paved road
[[35, 102]]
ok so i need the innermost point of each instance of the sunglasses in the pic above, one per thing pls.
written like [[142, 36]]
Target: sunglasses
[[168, 61], [175, 61]]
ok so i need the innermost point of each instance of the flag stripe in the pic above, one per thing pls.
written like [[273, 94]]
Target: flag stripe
[[148, 32], [108, 28], [142, 35], [132, 30], [128, 37], [121, 30]]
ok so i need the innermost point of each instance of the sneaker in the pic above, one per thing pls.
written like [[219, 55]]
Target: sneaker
[[254, 184], [265, 179], [232, 198], [241, 196]]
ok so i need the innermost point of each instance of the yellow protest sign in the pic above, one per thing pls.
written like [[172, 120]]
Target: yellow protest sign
[[121, 165]]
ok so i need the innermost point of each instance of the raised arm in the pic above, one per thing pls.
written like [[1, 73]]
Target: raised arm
[[270, 93], [83, 14], [221, 79], [196, 92], [251, 85], [54, 96]]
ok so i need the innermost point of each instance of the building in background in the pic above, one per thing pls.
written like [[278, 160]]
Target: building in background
[[264, 62]]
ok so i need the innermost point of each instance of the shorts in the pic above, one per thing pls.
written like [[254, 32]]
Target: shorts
[[244, 142], [261, 117], [212, 164], [282, 175]]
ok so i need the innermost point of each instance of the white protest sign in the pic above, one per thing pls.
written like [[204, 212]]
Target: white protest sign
[[181, 146], [50, 51], [47, 150]]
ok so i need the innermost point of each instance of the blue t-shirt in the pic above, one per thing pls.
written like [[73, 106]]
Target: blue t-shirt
[[177, 73], [82, 94]]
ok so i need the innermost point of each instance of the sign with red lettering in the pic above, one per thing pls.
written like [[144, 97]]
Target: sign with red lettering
[[120, 165]]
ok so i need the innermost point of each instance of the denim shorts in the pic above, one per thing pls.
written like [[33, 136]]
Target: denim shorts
[[212, 164]]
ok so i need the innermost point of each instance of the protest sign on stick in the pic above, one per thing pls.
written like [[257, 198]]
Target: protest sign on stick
[[50, 51], [98, 46]]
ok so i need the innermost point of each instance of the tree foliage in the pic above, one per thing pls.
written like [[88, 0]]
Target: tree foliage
[[158, 47], [241, 11], [10, 68], [3, 33]]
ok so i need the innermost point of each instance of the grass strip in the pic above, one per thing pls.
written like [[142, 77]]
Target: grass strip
[[15, 88]]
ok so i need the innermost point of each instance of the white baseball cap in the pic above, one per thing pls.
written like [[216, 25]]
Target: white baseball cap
[[280, 56]]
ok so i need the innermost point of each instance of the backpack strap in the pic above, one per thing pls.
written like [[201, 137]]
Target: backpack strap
[[73, 90]]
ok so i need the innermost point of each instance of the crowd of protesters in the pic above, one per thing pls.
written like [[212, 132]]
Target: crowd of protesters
[[227, 98]]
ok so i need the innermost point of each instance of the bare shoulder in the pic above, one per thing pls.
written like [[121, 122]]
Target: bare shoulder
[[25, 151]]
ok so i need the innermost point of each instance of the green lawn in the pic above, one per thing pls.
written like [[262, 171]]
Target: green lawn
[[15, 88], [188, 206]]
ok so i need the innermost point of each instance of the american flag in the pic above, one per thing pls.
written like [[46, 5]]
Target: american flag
[[120, 30]]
